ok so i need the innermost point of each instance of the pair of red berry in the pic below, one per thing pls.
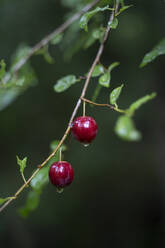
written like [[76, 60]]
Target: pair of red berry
[[84, 129]]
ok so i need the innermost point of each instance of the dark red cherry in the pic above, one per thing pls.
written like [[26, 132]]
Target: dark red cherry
[[61, 174], [84, 129]]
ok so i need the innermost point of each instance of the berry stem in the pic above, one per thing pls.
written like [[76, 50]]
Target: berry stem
[[95, 62], [60, 155], [84, 103]]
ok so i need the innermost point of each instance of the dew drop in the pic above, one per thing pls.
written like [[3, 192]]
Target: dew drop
[[87, 144], [60, 190]]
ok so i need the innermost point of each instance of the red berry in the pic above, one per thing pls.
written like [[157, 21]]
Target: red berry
[[84, 129], [61, 174]]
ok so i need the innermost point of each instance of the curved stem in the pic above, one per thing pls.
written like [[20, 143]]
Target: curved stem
[[96, 60], [105, 105]]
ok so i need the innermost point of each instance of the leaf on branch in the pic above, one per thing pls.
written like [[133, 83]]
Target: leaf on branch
[[2, 69], [114, 23], [87, 16], [96, 93], [93, 36], [54, 144], [98, 70], [32, 202], [56, 39], [16, 84], [137, 104], [21, 163], [40, 180], [65, 82], [21, 52], [114, 95], [122, 9], [3, 200], [104, 80], [44, 51], [126, 130], [113, 65], [159, 49]]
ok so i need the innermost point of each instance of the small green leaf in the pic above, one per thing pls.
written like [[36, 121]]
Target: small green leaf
[[113, 65], [56, 39], [32, 203], [137, 104], [54, 144], [21, 163], [114, 95], [159, 49], [65, 82], [21, 52], [96, 93], [98, 70], [3, 200], [126, 130], [41, 179], [2, 69], [104, 80], [44, 51], [98, 34], [114, 23], [87, 16], [123, 9]]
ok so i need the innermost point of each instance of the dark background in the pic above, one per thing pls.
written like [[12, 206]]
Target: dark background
[[118, 196]]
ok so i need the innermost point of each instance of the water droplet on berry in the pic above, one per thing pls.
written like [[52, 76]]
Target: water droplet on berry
[[60, 190], [85, 145]]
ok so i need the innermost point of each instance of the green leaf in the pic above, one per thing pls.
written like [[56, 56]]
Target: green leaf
[[114, 23], [96, 93], [21, 163], [113, 65], [87, 16], [126, 130], [7, 96], [56, 39], [137, 104], [159, 49], [54, 144], [98, 70], [16, 84], [65, 82], [3, 200], [125, 7], [40, 180], [2, 69], [114, 95], [104, 80], [21, 52], [96, 34], [44, 51], [32, 202]]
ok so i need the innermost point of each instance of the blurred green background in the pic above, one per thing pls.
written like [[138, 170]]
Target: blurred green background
[[118, 196]]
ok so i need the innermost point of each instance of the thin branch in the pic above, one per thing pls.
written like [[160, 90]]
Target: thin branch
[[47, 39], [98, 104], [110, 106], [96, 60]]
